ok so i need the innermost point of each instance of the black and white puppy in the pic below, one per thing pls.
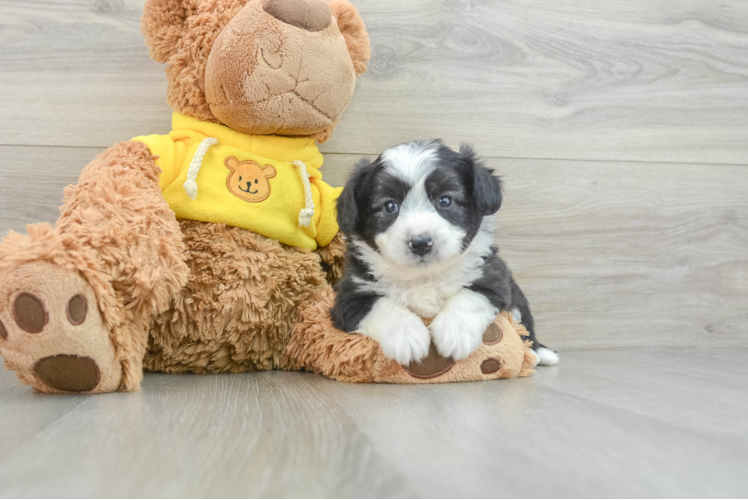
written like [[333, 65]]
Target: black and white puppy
[[420, 225]]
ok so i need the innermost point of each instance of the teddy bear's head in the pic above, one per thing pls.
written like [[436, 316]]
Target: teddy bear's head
[[285, 67]]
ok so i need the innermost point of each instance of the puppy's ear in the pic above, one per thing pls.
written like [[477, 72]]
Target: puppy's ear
[[487, 188], [348, 202]]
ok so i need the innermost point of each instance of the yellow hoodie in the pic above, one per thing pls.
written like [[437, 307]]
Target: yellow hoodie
[[265, 183]]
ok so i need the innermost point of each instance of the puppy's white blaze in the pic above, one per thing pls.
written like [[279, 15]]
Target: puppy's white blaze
[[418, 217], [546, 357], [425, 290], [458, 329], [411, 162], [400, 333]]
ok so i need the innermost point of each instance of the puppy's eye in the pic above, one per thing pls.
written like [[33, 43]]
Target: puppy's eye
[[445, 202], [391, 207]]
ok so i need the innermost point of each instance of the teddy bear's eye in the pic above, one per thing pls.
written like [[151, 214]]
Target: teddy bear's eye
[[256, 181], [240, 177]]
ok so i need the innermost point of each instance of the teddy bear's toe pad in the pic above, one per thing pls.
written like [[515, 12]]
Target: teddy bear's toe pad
[[491, 365], [29, 313], [52, 332], [433, 365], [493, 334], [68, 373]]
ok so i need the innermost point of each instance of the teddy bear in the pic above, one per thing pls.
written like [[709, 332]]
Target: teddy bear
[[213, 248]]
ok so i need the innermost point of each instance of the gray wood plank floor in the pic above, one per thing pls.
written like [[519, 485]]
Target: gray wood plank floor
[[626, 423], [621, 131]]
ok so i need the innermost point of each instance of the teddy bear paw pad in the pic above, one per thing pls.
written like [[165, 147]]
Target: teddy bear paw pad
[[52, 333], [493, 334], [433, 365], [491, 365], [68, 373]]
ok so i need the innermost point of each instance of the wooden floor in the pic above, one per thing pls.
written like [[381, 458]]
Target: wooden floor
[[626, 423], [620, 128]]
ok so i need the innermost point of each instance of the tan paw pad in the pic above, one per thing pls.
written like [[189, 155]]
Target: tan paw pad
[[77, 308], [29, 313], [68, 373], [433, 365], [491, 365], [493, 334]]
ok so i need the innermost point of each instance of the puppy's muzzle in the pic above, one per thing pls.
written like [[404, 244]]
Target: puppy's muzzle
[[421, 245]]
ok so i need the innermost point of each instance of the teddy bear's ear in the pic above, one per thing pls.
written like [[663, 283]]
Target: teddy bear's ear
[[162, 25], [352, 27], [231, 163], [269, 171]]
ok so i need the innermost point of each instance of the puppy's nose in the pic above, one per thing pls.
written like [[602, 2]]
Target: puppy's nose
[[421, 245], [310, 15]]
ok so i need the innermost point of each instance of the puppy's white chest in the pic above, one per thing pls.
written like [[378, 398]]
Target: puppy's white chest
[[428, 295], [425, 301]]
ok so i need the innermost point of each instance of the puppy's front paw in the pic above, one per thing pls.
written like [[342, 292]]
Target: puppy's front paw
[[406, 341], [456, 335]]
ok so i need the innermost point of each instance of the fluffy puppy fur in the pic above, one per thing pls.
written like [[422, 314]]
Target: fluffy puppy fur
[[420, 224]]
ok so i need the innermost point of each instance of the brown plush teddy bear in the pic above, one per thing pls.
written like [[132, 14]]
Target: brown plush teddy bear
[[211, 249]]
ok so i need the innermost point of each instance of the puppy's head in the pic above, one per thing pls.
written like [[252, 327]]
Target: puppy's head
[[419, 203]]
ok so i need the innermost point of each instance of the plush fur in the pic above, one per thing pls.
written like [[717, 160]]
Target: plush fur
[[420, 222], [356, 38], [238, 308]]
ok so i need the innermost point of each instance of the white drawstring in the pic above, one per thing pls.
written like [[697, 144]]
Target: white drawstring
[[190, 185], [305, 214]]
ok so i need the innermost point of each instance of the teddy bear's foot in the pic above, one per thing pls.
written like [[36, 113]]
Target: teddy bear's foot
[[316, 345], [52, 333]]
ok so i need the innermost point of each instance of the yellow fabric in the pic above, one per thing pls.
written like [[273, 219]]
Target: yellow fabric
[[218, 198]]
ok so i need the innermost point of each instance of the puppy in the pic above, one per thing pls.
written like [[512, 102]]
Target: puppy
[[420, 225]]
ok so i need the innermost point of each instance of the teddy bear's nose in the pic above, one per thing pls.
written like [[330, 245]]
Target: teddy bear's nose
[[311, 15]]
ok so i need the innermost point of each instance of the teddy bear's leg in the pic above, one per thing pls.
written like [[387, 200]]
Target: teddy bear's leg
[[316, 345], [76, 301]]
